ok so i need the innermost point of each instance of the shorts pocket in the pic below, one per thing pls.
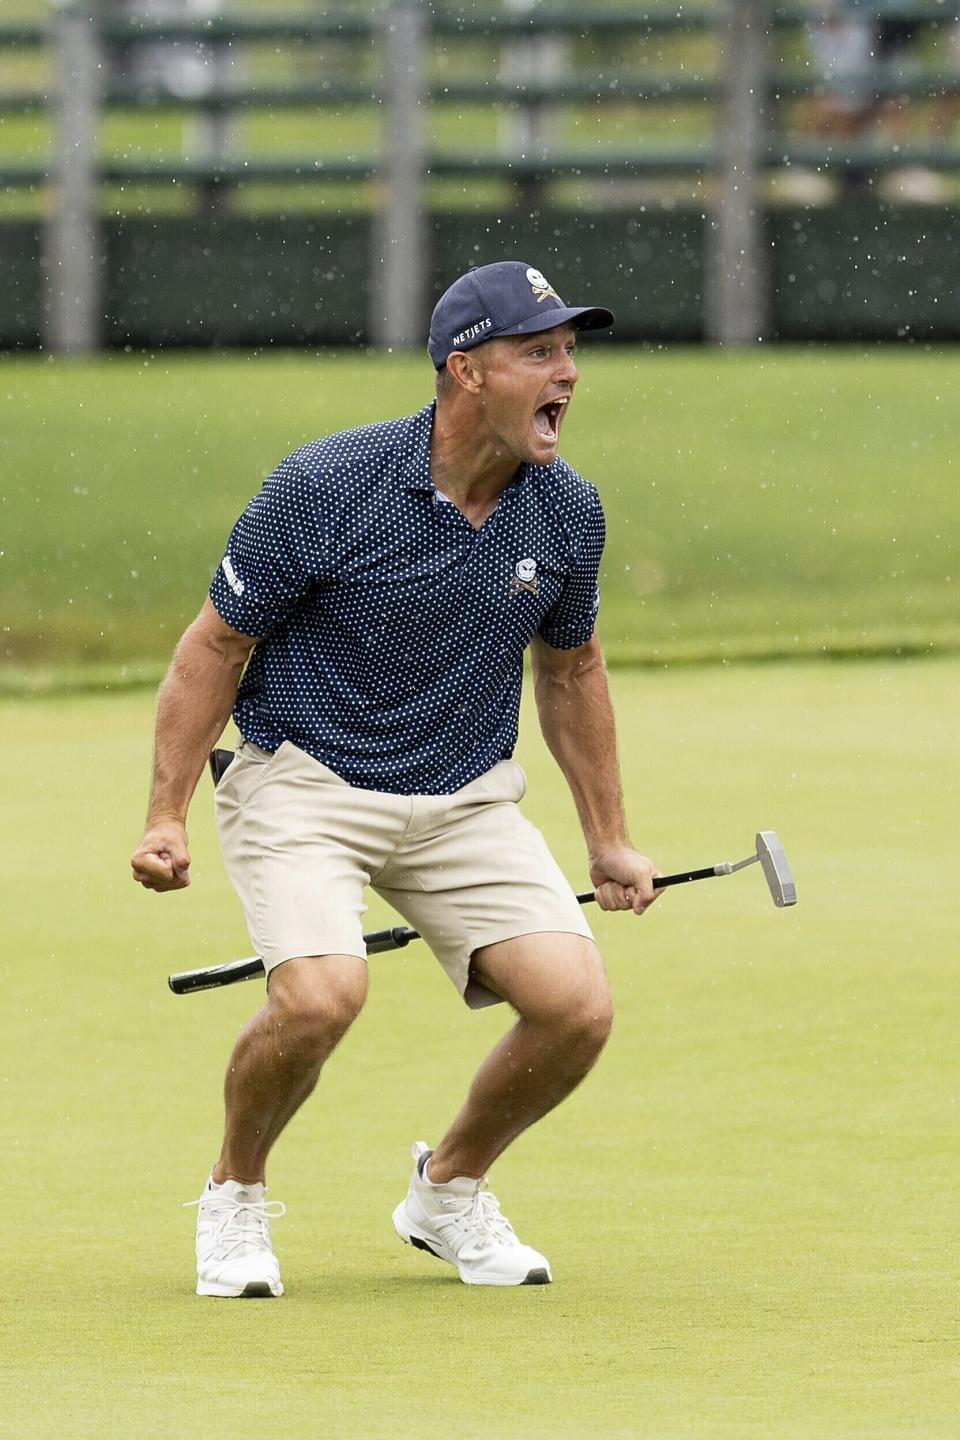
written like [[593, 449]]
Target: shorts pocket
[[505, 782], [248, 770]]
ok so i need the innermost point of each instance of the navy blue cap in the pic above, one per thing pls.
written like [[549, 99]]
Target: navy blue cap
[[508, 298]]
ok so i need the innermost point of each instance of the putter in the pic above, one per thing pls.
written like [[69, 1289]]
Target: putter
[[769, 855], [773, 862]]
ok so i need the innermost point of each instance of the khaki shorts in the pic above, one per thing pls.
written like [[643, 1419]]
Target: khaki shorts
[[465, 870]]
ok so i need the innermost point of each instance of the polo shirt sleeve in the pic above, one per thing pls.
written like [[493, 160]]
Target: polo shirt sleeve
[[571, 620], [274, 555]]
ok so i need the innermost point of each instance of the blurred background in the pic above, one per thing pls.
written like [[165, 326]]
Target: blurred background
[[173, 172]]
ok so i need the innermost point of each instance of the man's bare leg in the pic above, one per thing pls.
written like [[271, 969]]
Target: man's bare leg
[[558, 986], [276, 1062]]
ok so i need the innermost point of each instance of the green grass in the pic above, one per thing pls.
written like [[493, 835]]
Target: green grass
[[750, 1206], [792, 502]]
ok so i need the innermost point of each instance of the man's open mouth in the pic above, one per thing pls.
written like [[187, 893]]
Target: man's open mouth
[[547, 419]]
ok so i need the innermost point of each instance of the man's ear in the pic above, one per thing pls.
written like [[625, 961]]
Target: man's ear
[[466, 370]]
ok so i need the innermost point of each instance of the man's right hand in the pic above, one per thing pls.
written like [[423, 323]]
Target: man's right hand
[[162, 861]]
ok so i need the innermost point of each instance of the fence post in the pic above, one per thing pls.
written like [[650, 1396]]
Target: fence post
[[527, 126], [737, 304], [399, 262], [73, 256], [214, 126], [195, 69]]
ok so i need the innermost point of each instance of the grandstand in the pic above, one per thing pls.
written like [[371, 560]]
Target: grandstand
[[171, 173]]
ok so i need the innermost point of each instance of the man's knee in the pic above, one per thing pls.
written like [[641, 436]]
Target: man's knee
[[583, 1021], [555, 980], [315, 999], [594, 1020]]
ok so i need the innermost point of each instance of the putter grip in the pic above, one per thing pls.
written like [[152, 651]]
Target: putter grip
[[213, 976], [392, 939]]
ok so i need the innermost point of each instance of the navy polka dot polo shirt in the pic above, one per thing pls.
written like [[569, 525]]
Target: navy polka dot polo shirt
[[392, 631]]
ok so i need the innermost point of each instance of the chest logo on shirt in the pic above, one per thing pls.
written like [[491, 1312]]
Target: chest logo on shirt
[[525, 578]]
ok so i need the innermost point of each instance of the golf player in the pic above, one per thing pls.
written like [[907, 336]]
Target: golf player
[[366, 627]]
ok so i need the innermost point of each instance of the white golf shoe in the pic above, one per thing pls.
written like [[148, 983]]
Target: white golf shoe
[[461, 1223], [234, 1255]]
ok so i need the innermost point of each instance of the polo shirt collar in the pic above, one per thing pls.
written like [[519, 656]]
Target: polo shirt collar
[[417, 470]]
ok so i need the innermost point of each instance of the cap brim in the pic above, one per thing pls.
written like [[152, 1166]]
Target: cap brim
[[584, 317]]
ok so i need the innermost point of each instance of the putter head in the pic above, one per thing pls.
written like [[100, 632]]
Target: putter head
[[775, 868]]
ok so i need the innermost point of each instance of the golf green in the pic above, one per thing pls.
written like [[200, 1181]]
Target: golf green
[[749, 1206]]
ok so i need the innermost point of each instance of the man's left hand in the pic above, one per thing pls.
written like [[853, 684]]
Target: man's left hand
[[623, 879]]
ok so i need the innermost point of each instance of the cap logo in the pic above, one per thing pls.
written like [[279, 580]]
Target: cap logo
[[541, 286], [472, 331]]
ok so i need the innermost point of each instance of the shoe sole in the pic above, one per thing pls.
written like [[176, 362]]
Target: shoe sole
[[253, 1290], [540, 1275]]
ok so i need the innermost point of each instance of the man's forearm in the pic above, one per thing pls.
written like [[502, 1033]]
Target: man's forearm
[[576, 717], [193, 706]]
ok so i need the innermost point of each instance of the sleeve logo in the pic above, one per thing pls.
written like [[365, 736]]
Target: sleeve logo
[[233, 579]]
